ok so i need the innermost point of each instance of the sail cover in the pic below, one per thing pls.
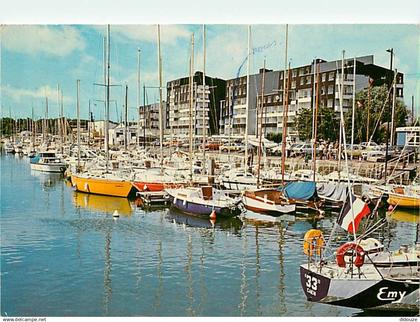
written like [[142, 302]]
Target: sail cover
[[332, 191], [300, 190]]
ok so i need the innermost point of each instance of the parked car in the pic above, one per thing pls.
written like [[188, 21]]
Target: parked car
[[370, 146], [373, 156], [212, 146], [233, 147], [356, 152]]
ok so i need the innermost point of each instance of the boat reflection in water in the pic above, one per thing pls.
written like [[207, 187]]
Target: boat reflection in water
[[406, 215], [48, 179], [101, 203], [178, 217]]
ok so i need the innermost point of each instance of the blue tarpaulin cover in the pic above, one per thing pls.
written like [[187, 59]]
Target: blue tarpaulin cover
[[300, 190]]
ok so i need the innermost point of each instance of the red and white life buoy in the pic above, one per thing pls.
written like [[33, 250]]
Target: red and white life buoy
[[359, 259]]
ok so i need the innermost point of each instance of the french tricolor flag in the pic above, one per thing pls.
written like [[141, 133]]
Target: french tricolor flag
[[351, 217]]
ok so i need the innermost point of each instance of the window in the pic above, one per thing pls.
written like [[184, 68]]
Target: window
[[330, 103], [324, 77], [330, 89], [331, 76], [293, 84], [302, 80], [281, 75], [294, 73], [269, 99], [308, 79]]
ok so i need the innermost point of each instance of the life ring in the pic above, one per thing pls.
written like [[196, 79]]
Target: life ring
[[313, 242], [343, 249]]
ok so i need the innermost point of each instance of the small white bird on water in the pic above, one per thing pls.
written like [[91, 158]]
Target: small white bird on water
[[116, 214]]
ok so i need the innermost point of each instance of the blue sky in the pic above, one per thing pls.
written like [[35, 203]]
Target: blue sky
[[35, 58]]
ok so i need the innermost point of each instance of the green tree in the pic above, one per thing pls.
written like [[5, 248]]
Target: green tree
[[377, 108], [275, 137], [303, 124], [327, 124]]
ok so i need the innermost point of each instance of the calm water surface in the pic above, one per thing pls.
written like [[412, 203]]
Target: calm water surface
[[63, 254]]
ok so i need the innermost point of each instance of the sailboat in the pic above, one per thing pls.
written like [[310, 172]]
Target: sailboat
[[355, 276], [360, 274], [241, 178], [156, 179], [103, 182], [404, 197], [204, 201], [153, 180], [266, 201]]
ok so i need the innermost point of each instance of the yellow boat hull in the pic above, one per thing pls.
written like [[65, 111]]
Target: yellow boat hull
[[102, 186], [404, 201]]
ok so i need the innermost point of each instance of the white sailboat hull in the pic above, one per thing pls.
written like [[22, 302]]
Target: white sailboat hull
[[266, 207], [57, 168]]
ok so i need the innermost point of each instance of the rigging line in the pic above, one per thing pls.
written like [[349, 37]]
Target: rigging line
[[399, 157], [379, 118], [373, 228], [383, 108]]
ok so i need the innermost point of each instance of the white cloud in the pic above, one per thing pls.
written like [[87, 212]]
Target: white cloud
[[18, 94], [57, 41], [169, 34]]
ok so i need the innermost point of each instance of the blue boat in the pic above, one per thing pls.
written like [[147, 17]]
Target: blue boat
[[203, 201]]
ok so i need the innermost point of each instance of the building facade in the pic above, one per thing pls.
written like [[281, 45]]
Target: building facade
[[301, 93], [205, 105], [149, 120]]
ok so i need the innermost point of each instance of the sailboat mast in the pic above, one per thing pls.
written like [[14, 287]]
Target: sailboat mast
[[32, 127], [138, 95], [45, 121], [247, 100], [160, 101], [315, 120], [78, 126], [353, 106], [107, 56], [341, 121], [394, 91], [204, 128], [144, 116], [60, 132], [260, 127], [191, 104], [64, 118], [342, 130], [285, 103], [126, 119]]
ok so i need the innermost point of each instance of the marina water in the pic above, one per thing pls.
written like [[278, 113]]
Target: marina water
[[64, 254]]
